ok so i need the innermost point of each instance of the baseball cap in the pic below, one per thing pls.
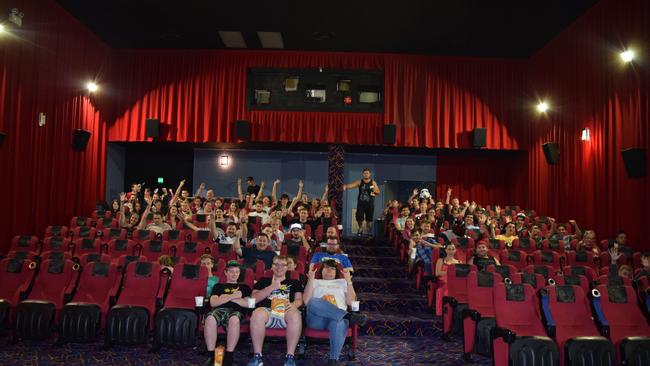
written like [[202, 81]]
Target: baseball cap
[[232, 263], [295, 226]]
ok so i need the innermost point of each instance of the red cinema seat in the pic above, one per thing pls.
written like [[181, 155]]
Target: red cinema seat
[[513, 257], [519, 337], [567, 316], [619, 316], [177, 323], [80, 221], [495, 246], [201, 236], [582, 271], [224, 251], [535, 280], [153, 249], [85, 246], [53, 286], [141, 235], [131, 319], [54, 230], [455, 301], [21, 256], [555, 245], [257, 266], [613, 280], [545, 270], [297, 251], [119, 247], [107, 223], [568, 279], [24, 243], [478, 318], [464, 249], [94, 257], [17, 275], [57, 244], [526, 244], [582, 258], [124, 260], [505, 270], [56, 256], [173, 236], [84, 232], [109, 234], [82, 318], [548, 258], [190, 250]]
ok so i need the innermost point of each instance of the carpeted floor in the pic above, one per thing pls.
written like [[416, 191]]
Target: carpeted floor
[[373, 351]]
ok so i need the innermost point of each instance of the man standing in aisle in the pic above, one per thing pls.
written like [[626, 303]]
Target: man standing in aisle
[[368, 189]]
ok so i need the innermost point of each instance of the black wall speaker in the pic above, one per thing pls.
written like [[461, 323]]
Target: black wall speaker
[[635, 162], [242, 130], [152, 128], [389, 134], [479, 137], [551, 153], [80, 140], [2, 138]]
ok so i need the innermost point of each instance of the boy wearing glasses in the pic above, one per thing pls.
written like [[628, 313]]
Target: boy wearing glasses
[[278, 299]]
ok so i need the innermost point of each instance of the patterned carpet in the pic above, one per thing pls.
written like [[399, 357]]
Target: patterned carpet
[[373, 351]]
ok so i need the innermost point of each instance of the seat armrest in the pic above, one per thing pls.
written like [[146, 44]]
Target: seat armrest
[[472, 314], [507, 335], [449, 300]]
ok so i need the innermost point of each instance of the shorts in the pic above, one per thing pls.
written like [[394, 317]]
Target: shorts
[[274, 322], [365, 211], [223, 315]]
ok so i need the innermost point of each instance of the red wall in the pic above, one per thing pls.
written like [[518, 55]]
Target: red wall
[[43, 68], [589, 87]]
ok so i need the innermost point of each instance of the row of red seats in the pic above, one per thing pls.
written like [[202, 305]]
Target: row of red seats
[[502, 317]]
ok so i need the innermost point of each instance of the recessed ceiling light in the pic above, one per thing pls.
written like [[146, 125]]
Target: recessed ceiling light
[[271, 39], [627, 56], [232, 39]]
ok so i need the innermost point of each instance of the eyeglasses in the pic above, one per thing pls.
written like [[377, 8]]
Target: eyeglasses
[[278, 264]]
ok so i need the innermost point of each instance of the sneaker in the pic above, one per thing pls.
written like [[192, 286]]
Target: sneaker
[[289, 361], [357, 318], [257, 360]]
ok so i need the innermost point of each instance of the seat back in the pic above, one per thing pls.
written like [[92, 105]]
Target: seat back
[[457, 275], [581, 271], [555, 245], [80, 221], [84, 232], [25, 243], [464, 248], [188, 281], [298, 252], [141, 235], [545, 270], [107, 223], [85, 246], [516, 308], [55, 230], [125, 259], [56, 256], [94, 257], [513, 257], [120, 247], [535, 280], [620, 309], [57, 244], [152, 249], [570, 312], [54, 279], [613, 279], [190, 250], [582, 258], [568, 279], [480, 291], [173, 236], [16, 276], [504, 270], [547, 258], [140, 285], [98, 282], [111, 233], [527, 245]]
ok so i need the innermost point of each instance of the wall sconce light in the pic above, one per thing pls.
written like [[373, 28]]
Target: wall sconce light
[[224, 160], [586, 136]]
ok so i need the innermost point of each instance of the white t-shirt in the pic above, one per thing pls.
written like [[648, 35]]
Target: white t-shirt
[[333, 291], [262, 215]]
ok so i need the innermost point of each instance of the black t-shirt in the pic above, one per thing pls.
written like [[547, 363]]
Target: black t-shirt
[[265, 255], [482, 263], [365, 189], [253, 189], [289, 287], [229, 288]]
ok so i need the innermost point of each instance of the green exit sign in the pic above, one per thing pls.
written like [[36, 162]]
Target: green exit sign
[[161, 180]]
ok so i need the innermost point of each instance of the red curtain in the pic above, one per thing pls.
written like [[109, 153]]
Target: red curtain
[[488, 180], [589, 87], [43, 68], [434, 101]]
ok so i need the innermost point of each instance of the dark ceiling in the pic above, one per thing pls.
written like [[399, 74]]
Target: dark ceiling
[[507, 28]]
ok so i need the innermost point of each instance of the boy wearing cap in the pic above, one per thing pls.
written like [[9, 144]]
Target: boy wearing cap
[[296, 236], [229, 303]]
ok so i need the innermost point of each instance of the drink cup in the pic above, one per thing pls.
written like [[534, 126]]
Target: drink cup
[[251, 302], [198, 301], [355, 306]]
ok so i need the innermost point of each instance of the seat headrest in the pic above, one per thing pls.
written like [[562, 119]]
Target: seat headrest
[[529, 278], [55, 266], [504, 271], [578, 270], [617, 294], [572, 279], [93, 257], [191, 271], [494, 243], [554, 244], [21, 256], [143, 269], [582, 256], [514, 256], [57, 256], [203, 234], [224, 248], [100, 269], [56, 242], [524, 243], [293, 250], [114, 232], [24, 241], [543, 270], [463, 242], [173, 234], [515, 292], [613, 279], [189, 247], [462, 270], [130, 258], [155, 246], [87, 243], [14, 265], [565, 294], [121, 244], [547, 257], [485, 279]]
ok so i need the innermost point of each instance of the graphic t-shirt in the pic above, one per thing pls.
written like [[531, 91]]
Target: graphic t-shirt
[[230, 288], [278, 299], [332, 291]]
